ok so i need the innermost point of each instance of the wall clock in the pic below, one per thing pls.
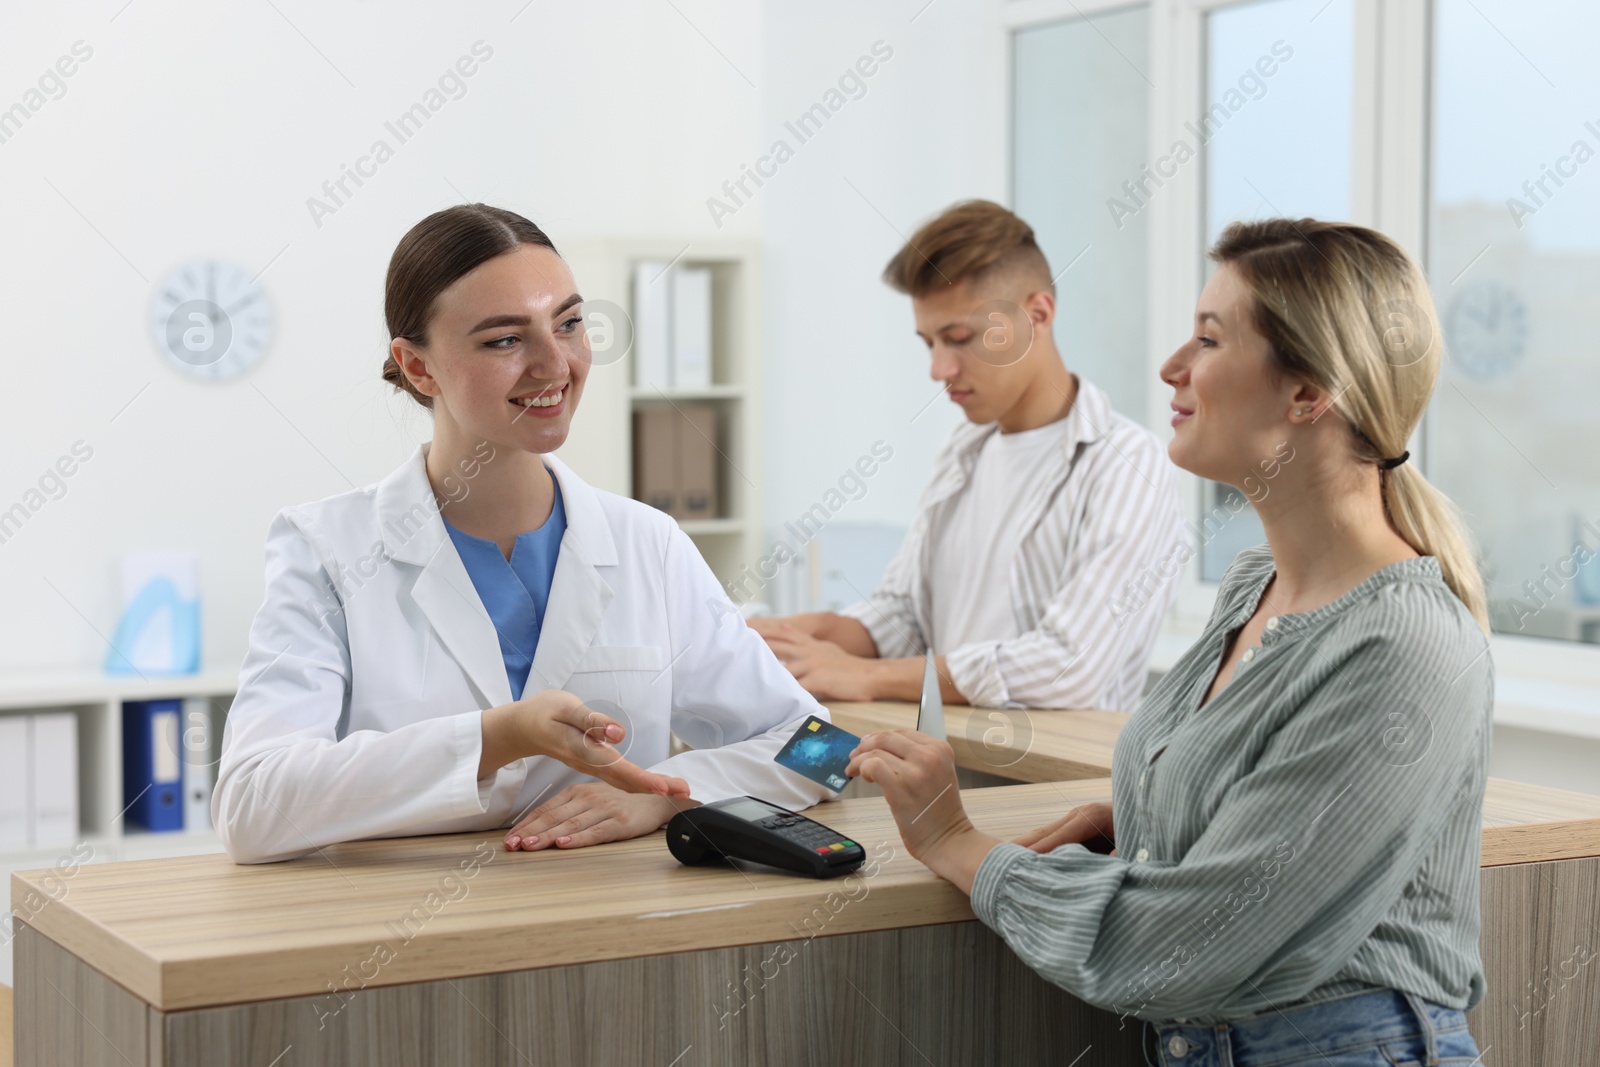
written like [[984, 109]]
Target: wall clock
[[211, 321], [1486, 329]]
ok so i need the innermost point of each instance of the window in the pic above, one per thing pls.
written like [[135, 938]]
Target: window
[[1079, 131], [1469, 130], [1275, 136], [1277, 111], [1514, 263]]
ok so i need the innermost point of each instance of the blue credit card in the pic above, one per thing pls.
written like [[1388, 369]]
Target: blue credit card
[[820, 751]]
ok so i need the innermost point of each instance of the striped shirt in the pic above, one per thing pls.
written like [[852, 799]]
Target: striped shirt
[[1102, 546], [1313, 830]]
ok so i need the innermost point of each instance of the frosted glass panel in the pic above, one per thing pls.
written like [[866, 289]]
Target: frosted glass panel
[[1081, 105], [1275, 137], [1514, 260], [1276, 132]]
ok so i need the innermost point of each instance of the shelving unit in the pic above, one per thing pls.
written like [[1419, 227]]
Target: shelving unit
[[96, 700], [600, 446]]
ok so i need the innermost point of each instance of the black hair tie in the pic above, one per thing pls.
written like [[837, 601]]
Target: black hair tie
[[1391, 464]]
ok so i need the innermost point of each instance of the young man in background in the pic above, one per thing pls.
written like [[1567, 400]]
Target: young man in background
[[1034, 565]]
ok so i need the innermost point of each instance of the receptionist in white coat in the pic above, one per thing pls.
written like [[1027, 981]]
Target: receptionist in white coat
[[482, 640]]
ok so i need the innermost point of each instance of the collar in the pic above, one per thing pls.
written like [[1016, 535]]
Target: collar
[[1087, 422], [413, 529]]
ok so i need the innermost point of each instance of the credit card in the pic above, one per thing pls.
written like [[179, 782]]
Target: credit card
[[819, 751]]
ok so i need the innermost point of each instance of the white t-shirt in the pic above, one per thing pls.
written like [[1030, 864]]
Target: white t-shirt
[[970, 580]]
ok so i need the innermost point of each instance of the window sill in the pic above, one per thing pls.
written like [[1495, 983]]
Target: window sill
[[1540, 684]]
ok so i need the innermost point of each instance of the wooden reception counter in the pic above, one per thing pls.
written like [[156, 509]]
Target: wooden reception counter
[[450, 950]]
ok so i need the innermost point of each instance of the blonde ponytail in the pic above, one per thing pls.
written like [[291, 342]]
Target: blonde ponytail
[[1430, 523], [1345, 308]]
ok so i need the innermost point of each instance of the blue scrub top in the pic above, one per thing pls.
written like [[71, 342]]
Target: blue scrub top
[[515, 591]]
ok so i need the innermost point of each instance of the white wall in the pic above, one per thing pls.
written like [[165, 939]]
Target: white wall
[[198, 130]]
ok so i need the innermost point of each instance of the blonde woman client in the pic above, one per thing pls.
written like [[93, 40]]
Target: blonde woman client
[[1296, 804], [482, 640]]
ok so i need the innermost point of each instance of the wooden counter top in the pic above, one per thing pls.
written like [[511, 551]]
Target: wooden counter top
[[1030, 745], [1525, 823], [202, 931]]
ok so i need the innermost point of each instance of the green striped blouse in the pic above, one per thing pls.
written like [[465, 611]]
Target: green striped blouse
[[1312, 831]]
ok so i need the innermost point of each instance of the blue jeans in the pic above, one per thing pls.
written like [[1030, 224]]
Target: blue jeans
[[1384, 1028]]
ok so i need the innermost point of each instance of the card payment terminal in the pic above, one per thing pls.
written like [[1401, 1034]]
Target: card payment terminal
[[746, 828]]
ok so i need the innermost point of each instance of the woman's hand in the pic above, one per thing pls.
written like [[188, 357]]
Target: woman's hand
[[1083, 825], [918, 776], [589, 814], [556, 723]]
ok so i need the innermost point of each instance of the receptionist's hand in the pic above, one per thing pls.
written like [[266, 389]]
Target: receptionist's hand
[[590, 814], [558, 724]]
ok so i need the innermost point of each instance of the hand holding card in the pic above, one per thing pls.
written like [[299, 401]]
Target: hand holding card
[[819, 751]]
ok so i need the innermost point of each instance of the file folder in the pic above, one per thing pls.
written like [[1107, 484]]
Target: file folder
[[697, 461], [55, 779], [16, 769], [655, 467], [691, 327], [152, 764], [652, 325], [675, 459], [198, 767]]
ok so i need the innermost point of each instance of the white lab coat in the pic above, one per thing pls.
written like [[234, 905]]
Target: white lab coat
[[372, 658]]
